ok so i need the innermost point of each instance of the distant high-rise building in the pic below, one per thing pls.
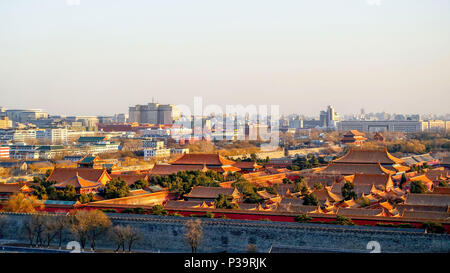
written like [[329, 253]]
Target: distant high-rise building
[[329, 118], [154, 113]]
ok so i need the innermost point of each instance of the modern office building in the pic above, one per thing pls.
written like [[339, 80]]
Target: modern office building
[[154, 113], [25, 116], [329, 118], [405, 126]]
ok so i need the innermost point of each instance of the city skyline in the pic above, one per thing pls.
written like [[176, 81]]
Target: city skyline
[[302, 55]]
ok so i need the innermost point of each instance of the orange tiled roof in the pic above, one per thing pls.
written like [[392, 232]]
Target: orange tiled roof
[[425, 215], [130, 178], [160, 169], [401, 168], [14, 187], [225, 169], [371, 179], [351, 168], [437, 174], [210, 192], [324, 194], [428, 199], [171, 204], [78, 182], [359, 212], [200, 159], [368, 156], [354, 133], [247, 165], [386, 205], [63, 174]]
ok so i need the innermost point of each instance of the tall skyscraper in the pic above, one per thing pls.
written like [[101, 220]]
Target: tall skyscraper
[[329, 118]]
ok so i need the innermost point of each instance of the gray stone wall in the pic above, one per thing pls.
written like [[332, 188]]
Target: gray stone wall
[[166, 234]]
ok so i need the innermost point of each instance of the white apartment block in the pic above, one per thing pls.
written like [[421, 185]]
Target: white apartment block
[[156, 144], [58, 135], [156, 153], [24, 135]]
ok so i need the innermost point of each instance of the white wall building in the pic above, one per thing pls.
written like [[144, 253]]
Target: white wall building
[[156, 153], [57, 135]]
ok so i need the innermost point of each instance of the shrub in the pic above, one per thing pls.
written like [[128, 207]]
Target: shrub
[[433, 227], [342, 220], [109, 210], [158, 210], [302, 218]]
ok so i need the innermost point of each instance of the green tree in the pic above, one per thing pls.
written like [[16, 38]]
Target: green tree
[[86, 198], [140, 184], [300, 186], [347, 191], [433, 227], [342, 220], [418, 187], [223, 202], [158, 210], [318, 186], [403, 180], [302, 218], [310, 200], [116, 188], [287, 181]]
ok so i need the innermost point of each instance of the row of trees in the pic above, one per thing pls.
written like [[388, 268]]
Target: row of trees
[[85, 226], [182, 182], [308, 162]]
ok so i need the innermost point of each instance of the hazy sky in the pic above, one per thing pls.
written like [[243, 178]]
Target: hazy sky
[[101, 56]]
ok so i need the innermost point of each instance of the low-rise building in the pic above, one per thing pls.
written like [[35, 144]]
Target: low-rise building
[[4, 152], [53, 135], [179, 151], [210, 194], [156, 153]]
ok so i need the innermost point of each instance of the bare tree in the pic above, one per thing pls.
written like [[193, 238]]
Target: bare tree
[[61, 223], [98, 224], [80, 226], [132, 235], [117, 234], [89, 225], [34, 229], [194, 233], [125, 235]]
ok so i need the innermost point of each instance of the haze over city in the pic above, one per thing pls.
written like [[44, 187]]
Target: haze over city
[[99, 57]]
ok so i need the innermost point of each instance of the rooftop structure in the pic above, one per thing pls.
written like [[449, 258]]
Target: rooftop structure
[[353, 137], [81, 185], [211, 161], [60, 175], [211, 193], [358, 160]]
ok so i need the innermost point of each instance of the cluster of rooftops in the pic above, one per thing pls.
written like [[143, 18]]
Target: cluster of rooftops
[[375, 175]]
